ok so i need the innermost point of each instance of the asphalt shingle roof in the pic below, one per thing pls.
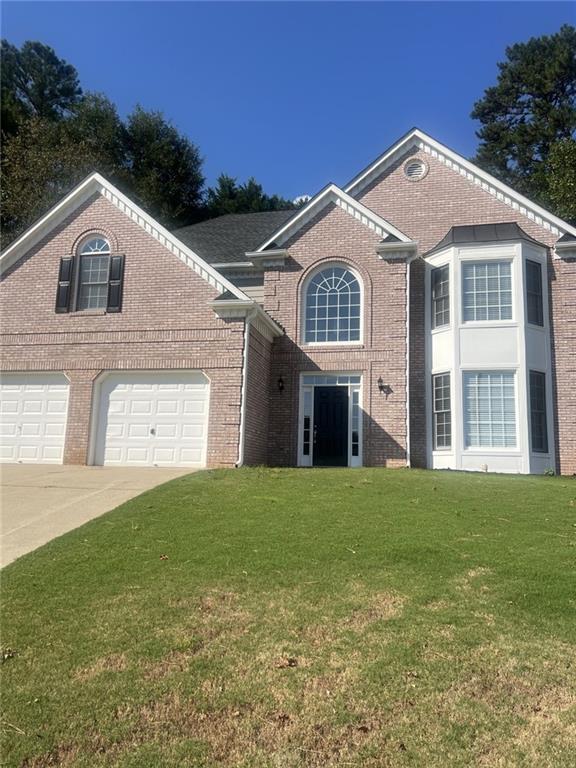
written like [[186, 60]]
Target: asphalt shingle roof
[[226, 239]]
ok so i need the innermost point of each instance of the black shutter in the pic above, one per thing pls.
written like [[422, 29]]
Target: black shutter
[[115, 282], [64, 285]]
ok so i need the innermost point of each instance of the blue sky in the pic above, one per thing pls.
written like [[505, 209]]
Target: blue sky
[[295, 94]]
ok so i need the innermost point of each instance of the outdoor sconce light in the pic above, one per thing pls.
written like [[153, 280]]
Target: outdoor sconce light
[[384, 389], [280, 384]]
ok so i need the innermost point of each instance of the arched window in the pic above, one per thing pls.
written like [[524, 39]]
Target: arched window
[[93, 273], [332, 299]]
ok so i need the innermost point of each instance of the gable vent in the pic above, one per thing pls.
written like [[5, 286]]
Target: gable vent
[[414, 170]]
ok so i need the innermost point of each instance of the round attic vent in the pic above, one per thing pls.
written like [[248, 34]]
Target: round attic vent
[[414, 170]]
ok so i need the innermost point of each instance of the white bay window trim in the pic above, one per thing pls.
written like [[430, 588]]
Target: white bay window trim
[[490, 410]]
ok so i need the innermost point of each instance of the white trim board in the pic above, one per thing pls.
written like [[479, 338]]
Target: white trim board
[[95, 183], [420, 140], [333, 194]]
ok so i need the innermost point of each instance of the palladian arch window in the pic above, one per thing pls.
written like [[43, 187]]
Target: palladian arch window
[[332, 299]]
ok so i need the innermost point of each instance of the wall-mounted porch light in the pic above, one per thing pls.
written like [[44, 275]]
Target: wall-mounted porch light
[[384, 389], [280, 384]]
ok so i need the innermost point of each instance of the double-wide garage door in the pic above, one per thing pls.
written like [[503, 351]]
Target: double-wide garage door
[[139, 419]]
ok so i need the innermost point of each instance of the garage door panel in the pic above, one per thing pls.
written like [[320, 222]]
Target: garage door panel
[[7, 428], [51, 453], [140, 407], [33, 415], [193, 431], [167, 407], [169, 431], [153, 419], [54, 429], [137, 431], [191, 455], [32, 429]]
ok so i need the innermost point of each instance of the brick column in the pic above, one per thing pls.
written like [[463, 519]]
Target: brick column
[[79, 410]]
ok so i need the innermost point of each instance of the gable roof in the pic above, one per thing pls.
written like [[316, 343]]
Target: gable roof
[[97, 184], [333, 194], [483, 233], [417, 139], [225, 239]]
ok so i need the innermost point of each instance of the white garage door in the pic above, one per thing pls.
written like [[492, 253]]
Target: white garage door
[[153, 419], [33, 412]]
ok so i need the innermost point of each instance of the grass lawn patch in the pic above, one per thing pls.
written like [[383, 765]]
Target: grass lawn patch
[[284, 618]]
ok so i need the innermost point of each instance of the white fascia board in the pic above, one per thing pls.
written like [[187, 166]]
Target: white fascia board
[[333, 194], [487, 182], [273, 253], [233, 308], [396, 250], [51, 219], [234, 265], [565, 250], [95, 183]]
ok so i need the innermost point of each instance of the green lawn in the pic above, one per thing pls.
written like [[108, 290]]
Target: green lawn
[[288, 618]]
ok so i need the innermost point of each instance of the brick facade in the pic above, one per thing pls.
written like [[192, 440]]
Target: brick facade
[[331, 236], [425, 211], [166, 323]]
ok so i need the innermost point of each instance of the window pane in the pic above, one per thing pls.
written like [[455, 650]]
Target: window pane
[[534, 307], [440, 296], [442, 417], [489, 410], [95, 245], [487, 291], [332, 306], [538, 422], [93, 282]]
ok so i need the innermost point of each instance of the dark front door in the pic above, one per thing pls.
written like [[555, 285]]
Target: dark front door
[[330, 426]]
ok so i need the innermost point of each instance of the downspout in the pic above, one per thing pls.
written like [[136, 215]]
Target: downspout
[[243, 395], [408, 265]]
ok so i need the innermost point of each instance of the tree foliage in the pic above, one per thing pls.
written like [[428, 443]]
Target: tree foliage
[[36, 83], [528, 112], [53, 135], [165, 168], [230, 197], [562, 178]]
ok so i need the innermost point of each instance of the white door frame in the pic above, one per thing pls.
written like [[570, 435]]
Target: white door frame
[[353, 381]]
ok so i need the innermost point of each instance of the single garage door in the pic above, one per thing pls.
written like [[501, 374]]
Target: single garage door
[[33, 413], [153, 419]]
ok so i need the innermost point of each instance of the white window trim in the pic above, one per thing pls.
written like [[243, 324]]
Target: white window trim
[[430, 309], [76, 285], [493, 450], [447, 449], [547, 377], [513, 278], [303, 303], [307, 384]]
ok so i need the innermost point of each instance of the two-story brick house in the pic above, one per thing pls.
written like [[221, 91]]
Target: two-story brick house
[[423, 315]]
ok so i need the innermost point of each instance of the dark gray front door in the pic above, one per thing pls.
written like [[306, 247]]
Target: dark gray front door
[[330, 426]]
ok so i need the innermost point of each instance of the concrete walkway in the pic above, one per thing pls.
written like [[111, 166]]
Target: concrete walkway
[[40, 502]]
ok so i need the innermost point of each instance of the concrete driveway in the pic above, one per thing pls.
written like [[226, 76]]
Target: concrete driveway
[[41, 502]]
